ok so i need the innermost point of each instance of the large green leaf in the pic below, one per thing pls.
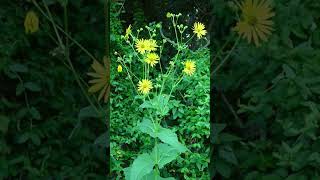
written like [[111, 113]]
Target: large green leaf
[[87, 112], [170, 137], [141, 166], [146, 126], [160, 104], [164, 134], [154, 176], [164, 154]]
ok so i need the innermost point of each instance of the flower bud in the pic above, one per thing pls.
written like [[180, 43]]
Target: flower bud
[[31, 22]]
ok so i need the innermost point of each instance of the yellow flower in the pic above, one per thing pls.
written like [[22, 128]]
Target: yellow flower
[[144, 86], [255, 23], [199, 29], [141, 46], [31, 22], [189, 67], [101, 79], [152, 59], [119, 68], [128, 32], [151, 45]]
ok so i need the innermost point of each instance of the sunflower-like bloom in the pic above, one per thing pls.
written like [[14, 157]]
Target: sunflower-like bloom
[[152, 59], [128, 32], [145, 86], [255, 23], [143, 45], [199, 29], [119, 68], [189, 67], [101, 78], [31, 22], [151, 45]]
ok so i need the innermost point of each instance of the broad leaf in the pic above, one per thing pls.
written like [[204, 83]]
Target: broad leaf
[[170, 137], [146, 126], [164, 154], [141, 166], [87, 112], [32, 86], [154, 176], [103, 140], [159, 103]]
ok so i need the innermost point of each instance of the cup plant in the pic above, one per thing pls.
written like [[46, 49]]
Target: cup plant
[[155, 86]]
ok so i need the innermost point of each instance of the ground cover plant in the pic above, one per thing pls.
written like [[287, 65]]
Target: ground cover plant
[[159, 124]]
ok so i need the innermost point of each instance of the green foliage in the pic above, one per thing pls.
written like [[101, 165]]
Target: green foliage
[[266, 114], [135, 137], [47, 130]]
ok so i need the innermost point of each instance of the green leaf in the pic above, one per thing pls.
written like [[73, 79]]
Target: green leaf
[[4, 123], [32, 86], [35, 113], [289, 71], [164, 134], [19, 90], [170, 137], [223, 168], [102, 140], [215, 130], [159, 103], [146, 126], [164, 154], [154, 176], [35, 139], [18, 68], [141, 166], [146, 105], [23, 138], [225, 137], [87, 112], [227, 154]]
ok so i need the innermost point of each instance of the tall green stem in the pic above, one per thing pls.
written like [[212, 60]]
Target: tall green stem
[[226, 58]]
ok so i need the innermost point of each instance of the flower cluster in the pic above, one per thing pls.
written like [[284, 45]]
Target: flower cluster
[[144, 45], [147, 48], [148, 51]]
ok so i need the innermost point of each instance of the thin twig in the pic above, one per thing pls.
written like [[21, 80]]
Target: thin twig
[[239, 121]]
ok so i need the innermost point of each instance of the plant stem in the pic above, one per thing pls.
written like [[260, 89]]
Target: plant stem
[[67, 56], [226, 58], [61, 29]]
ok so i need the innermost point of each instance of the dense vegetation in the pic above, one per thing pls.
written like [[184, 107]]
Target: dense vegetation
[[185, 115], [47, 128], [266, 99], [264, 103]]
